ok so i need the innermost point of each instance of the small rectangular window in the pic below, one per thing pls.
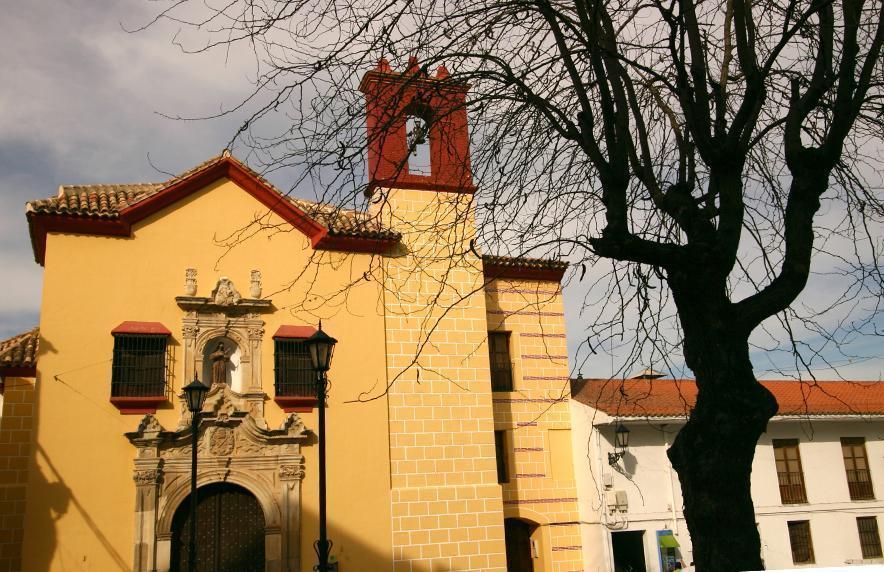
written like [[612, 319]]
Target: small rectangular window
[[139, 365], [789, 472], [856, 464], [501, 365], [869, 539], [293, 369], [500, 450], [802, 545]]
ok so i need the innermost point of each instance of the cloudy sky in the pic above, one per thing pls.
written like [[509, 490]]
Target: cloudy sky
[[82, 101]]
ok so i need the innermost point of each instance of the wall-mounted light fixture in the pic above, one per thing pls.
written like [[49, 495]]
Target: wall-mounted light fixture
[[621, 444]]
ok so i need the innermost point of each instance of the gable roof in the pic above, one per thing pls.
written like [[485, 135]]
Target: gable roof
[[18, 354], [642, 398], [112, 209]]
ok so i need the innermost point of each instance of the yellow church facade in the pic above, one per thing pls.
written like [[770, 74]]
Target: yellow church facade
[[447, 424]]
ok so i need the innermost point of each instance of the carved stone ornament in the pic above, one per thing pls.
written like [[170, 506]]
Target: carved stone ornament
[[235, 446], [291, 472], [255, 286], [190, 331], [148, 477], [190, 282], [221, 442], [225, 293]]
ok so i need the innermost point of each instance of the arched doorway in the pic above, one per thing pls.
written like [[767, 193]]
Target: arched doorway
[[519, 556], [230, 531]]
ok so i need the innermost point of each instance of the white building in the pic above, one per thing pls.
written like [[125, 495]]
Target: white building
[[825, 446]]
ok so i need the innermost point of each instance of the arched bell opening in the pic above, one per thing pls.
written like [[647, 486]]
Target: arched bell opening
[[230, 532]]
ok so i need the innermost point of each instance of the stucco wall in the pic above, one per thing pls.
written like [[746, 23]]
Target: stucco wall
[[653, 490]]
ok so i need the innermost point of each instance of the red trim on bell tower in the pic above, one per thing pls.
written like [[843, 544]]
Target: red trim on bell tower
[[390, 97]]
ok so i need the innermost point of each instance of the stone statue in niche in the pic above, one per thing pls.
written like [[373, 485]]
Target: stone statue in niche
[[255, 289], [190, 281], [225, 293], [220, 360]]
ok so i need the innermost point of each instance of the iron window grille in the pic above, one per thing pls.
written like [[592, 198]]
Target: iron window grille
[[501, 364], [859, 480], [789, 472], [140, 365], [869, 539], [502, 460], [801, 542], [294, 371]]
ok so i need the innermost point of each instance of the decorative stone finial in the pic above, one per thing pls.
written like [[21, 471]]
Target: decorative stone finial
[[384, 66], [190, 281], [413, 67], [255, 287]]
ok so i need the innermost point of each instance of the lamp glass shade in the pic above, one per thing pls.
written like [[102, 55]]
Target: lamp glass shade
[[621, 437], [321, 347], [195, 395]]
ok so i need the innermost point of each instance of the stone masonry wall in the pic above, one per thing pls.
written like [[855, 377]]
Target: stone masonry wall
[[542, 488], [446, 502], [15, 443]]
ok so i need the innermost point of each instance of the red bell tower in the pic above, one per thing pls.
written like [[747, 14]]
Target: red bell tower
[[417, 130]]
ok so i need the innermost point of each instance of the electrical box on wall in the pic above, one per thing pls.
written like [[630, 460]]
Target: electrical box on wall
[[616, 501]]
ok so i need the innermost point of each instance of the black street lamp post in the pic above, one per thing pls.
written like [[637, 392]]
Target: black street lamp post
[[321, 347], [195, 395]]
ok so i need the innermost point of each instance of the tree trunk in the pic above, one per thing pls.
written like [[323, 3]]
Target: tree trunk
[[713, 453]]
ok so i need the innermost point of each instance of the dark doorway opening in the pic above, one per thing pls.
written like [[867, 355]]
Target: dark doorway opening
[[517, 533], [629, 551], [230, 531]]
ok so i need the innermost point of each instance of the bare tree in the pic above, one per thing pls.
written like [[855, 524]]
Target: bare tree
[[690, 143]]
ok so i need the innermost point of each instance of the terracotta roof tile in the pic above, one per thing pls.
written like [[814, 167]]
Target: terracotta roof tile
[[676, 397], [106, 201], [20, 351]]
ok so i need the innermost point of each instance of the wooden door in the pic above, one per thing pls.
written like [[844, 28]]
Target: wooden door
[[518, 545], [230, 531]]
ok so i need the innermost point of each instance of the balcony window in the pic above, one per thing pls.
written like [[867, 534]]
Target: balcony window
[[789, 472], [801, 542], [294, 378], [869, 539], [501, 364], [139, 366], [856, 465]]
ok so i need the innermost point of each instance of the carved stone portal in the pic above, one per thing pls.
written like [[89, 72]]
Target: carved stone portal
[[234, 446]]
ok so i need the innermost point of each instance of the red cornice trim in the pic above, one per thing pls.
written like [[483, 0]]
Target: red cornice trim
[[138, 405], [493, 271], [354, 244], [147, 328], [300, 332], [40, 225], [296, 404], [18, 371], [403, 182]]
